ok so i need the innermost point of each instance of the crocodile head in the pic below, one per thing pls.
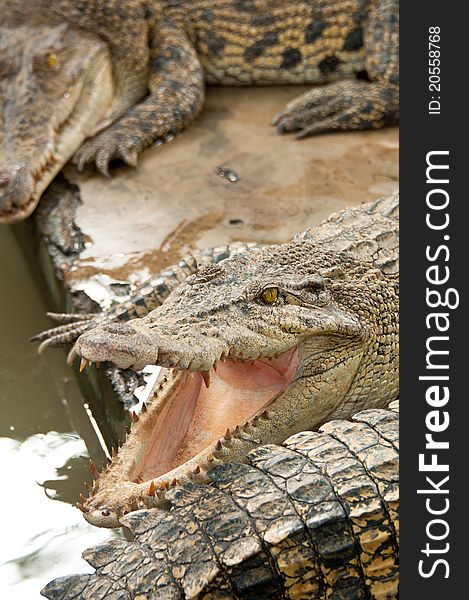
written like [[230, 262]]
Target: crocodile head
[[56, 89], [254, 349]]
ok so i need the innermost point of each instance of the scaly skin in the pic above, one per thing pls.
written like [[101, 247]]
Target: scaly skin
[[331, 337], [125, 74], [144, 299], [312, 519]]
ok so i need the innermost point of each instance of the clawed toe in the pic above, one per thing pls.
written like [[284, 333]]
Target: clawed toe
[[102, 150], [339, 106]]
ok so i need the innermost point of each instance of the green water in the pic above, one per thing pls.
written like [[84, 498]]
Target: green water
[[45, 440]]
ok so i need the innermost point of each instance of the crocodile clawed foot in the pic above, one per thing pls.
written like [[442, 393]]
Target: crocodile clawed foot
[[339, 106], [106, 146], [73, 325]]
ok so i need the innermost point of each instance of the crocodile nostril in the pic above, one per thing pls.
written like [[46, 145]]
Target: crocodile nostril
[[5, 179], [119, 328]]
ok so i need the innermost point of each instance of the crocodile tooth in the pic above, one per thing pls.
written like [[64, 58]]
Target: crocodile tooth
[[174, 482], [83, 364], [228, 434], [113, 452], [196, 471], [151, 489], [119, 443], [210, 458], [164, 485], [93, 469], [144, 407], [206, 378], [134, 417], [218, 445]]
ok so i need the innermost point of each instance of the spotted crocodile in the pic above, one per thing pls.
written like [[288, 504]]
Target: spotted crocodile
[[312, 519], [255, 348], [103, 79]]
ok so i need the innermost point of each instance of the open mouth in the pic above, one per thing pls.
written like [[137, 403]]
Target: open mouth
[[205, 406], [194, 420]]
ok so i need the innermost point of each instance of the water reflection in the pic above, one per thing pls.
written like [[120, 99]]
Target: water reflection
[[44, 538], [45, 439]]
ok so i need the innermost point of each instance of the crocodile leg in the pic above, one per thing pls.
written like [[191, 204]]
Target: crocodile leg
[[357, 103], [176, 86], [314, 518]]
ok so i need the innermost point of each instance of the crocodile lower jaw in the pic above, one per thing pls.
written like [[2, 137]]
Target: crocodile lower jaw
[[193, 421]]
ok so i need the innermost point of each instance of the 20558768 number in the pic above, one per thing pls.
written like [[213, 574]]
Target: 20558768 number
[[434, 69]]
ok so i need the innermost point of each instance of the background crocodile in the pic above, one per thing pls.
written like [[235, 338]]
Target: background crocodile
[[315, 518], [260, 346], [124, 74]]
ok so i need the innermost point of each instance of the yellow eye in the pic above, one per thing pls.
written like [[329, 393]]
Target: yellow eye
[[52, 61], [270, 295]]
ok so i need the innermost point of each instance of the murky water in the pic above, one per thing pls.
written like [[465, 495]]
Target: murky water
[[45, 440]]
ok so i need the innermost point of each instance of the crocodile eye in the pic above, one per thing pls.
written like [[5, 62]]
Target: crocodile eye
[[270, 295], [52, 61]]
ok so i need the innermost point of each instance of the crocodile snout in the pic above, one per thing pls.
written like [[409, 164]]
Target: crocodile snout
[[16, 193], [119, 343]]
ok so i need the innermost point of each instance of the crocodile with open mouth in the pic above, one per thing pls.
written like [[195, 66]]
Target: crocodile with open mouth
[[103, 79], [255, 348]]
